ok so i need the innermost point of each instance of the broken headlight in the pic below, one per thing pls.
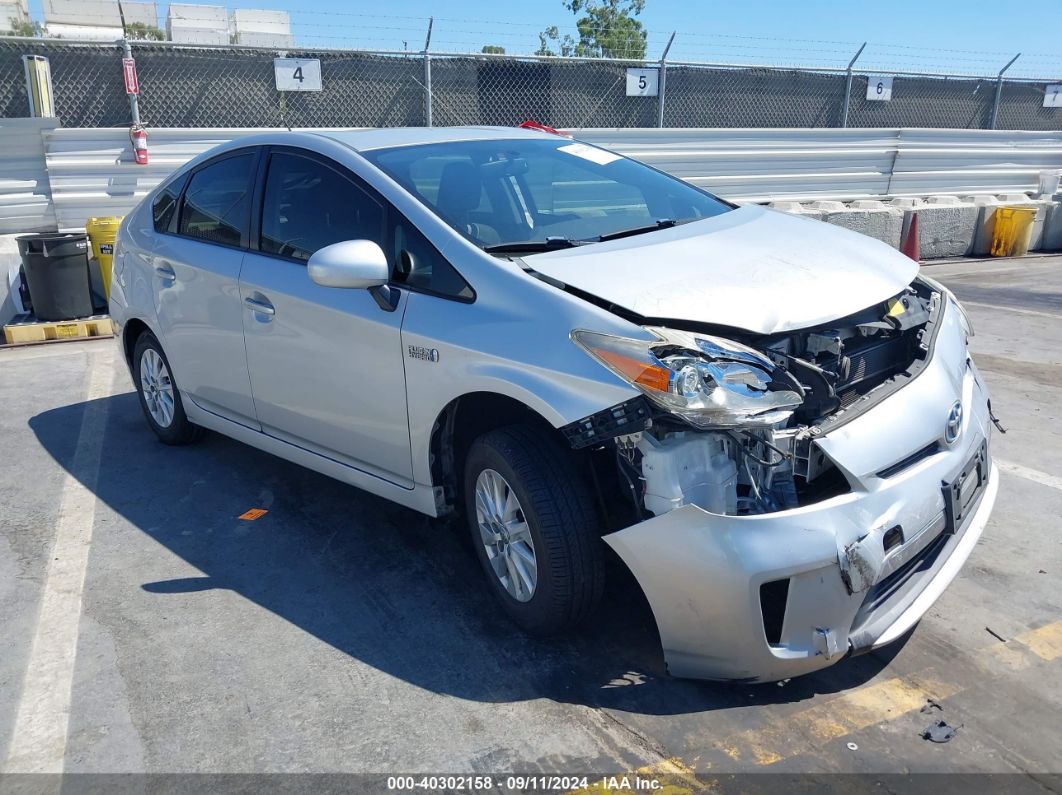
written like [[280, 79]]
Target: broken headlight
[[708, 381]]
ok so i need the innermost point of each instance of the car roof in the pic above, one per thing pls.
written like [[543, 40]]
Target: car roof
[[382, 138]]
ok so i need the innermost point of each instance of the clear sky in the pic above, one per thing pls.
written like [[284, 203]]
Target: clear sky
[[972, 36]]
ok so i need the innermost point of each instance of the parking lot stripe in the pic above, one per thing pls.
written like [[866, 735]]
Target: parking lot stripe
[[38, 743], [1028, 473], [881, 702], [1014, 309], [834, 718]]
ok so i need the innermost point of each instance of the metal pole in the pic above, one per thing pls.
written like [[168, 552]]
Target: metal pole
[[999, 91], [663, 83], [848, 85], [427, 75], [134, 107]]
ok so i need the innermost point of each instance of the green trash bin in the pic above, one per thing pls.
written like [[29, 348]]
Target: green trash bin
[[57, 274]]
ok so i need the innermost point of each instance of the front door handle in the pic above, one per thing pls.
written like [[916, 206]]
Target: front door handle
[[261, 307]]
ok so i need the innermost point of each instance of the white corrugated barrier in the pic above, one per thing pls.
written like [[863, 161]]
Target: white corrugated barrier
[[91, 171]]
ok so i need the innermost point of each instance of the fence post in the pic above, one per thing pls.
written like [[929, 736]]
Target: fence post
[[999, 91], [848, 85], [134, 102], [427, 75], [663, 83]]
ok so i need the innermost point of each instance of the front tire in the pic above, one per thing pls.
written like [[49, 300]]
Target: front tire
[[160, 399], [534, 528]]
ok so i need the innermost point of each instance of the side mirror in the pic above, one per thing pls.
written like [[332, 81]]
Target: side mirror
[[353, 264]]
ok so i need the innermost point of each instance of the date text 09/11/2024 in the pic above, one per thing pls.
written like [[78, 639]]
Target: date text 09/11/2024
[[532, 783]]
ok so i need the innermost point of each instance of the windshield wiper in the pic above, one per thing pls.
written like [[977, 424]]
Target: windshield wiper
[[663, 223], [533, 246]]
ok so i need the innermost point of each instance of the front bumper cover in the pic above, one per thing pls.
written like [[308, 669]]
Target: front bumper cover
[[850, 586]]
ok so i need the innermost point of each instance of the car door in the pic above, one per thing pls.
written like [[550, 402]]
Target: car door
[[196, 262], [325, 363]]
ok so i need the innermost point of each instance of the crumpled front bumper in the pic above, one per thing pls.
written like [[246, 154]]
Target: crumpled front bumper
[[853, 582]]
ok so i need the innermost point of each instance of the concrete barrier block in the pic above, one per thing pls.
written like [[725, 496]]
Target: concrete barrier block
[[985, 223], [796, 208], [947, 227], [10, 304], [1052, 237], [873, 218]]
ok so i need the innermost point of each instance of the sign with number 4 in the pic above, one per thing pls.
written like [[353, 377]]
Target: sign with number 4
[[879, 88], [643, 82], [297, 74]]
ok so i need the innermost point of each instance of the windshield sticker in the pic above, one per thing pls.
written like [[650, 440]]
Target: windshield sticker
[[591, 153]]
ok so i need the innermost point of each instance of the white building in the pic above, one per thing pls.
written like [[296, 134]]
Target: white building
[[16, 11], [97, 20], [189, 24], [259, 28]]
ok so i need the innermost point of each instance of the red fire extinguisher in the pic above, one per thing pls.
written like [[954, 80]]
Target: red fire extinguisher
[[138, 138]]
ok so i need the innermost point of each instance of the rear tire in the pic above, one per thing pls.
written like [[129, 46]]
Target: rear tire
[[542, 514], [160, 399]]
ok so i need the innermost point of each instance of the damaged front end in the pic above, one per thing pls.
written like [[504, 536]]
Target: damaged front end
[[798, 496]]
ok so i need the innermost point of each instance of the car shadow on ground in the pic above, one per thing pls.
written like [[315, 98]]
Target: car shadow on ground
[[384, 584]]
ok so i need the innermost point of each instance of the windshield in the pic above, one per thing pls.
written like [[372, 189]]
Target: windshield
[[530, 194]]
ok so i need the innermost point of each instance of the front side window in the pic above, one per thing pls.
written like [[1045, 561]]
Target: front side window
[[217, 202], [523, 192], [308, 205], [416, 263]]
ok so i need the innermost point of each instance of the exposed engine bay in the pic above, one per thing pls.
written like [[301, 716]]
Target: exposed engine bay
[[732, 422]]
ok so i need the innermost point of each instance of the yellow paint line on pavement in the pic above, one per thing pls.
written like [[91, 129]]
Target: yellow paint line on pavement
[[1045, 642], [666, 777], [831, 719]]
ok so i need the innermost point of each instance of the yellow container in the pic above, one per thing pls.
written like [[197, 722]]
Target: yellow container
[[1013, 231], [102, 233]]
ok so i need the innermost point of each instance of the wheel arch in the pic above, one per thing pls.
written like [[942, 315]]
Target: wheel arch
[[459, 423], [133, 328]]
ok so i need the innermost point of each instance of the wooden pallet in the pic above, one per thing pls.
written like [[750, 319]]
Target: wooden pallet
[[26, 328]]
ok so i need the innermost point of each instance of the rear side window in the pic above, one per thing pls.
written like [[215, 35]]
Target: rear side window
[[217, 203], [165, 205], [306, 206]]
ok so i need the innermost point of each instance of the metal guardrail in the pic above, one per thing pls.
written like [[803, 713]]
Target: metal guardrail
[[762, 165], [91, 171], [25, 193]]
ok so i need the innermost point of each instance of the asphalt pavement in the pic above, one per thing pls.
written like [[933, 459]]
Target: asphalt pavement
[[339, 633]]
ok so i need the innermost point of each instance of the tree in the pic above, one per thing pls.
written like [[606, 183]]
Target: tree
[[23, 27], [493, 49], [139, 31], [607, 29]]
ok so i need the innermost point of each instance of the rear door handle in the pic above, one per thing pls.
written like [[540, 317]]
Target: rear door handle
[[165, 272], [261, 307]]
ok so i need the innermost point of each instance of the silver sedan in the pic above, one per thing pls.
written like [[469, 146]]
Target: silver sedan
[[775, 423]]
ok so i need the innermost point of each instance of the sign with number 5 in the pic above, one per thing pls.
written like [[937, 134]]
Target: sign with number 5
[[297, 74], [879, 88], [643, 82]]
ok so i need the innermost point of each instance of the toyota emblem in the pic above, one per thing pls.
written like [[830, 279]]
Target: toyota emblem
[[954, 425]]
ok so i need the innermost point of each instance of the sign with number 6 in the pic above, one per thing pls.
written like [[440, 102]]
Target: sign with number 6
[[297, 74], [879, 88]]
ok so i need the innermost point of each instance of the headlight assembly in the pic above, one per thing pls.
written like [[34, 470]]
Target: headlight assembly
[[708, 381]]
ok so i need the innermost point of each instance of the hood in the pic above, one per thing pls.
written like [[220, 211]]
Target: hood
[[752, 268]]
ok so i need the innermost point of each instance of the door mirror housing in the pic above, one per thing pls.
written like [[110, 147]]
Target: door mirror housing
[[352, 264]]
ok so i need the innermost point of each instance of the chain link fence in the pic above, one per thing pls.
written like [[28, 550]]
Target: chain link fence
[[187, 86]]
